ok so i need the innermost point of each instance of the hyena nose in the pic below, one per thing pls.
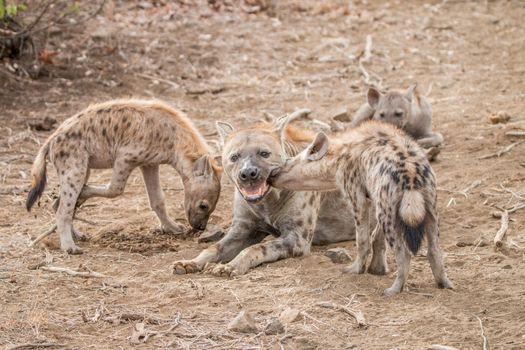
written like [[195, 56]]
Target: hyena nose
[[249, 173]]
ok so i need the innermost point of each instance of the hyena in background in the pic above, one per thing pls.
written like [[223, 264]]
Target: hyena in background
[[376, 165], [123, 135], [296, 219], [407, 110]]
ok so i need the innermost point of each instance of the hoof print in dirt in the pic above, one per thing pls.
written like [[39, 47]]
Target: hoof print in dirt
[[274, 326], [243, 323], [338, 255], [213, 233]]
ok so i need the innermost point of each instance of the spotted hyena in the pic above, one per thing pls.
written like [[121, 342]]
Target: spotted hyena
[[407, 110], [379, 166], [123, 135], [296, 219]]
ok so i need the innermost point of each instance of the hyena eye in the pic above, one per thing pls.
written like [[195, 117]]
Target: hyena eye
[[203, 206], [264, 154], [382, 115], [234, 157], [398, 114]]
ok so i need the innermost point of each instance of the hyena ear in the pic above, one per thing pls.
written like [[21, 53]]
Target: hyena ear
[[319, 147], [410, 92], [202, 167], [224, 129], [218, 161], [373, 95]]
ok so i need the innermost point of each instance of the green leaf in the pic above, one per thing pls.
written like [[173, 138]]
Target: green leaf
[[2, 9], [11, 10]]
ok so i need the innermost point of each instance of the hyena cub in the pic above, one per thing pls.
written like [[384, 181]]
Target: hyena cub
[[376, 164], [407, 110], [123, 135]]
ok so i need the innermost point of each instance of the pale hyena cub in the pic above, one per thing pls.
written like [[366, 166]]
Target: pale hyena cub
[[376, 164], [123, 135], [407, 110]]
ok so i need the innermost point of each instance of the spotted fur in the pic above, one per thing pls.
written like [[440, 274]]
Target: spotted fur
[[122, 135], [379, 167]]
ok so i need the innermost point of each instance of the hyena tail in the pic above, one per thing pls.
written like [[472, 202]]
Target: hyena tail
[[412, 212], [38, 176]]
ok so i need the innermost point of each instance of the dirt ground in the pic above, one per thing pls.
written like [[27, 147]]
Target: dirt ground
[[222, 63]]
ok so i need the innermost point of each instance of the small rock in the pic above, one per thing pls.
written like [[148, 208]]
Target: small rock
[[43, 125], [243, 323], [289, 315], [338, 255], [500, 117], [274, 326], [213, 233]]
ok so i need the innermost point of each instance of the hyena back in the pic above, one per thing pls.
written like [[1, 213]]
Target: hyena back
[[376, 165], [123, 135]]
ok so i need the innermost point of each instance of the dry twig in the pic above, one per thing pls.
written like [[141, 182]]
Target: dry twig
[[357, 315], [84, 274], [485, 340], [35, 346], [498, 239], [502, 151]]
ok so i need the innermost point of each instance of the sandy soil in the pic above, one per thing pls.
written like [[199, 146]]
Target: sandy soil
[[229, 65]]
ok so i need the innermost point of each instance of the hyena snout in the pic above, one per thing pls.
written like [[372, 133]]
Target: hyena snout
[[249, 174]]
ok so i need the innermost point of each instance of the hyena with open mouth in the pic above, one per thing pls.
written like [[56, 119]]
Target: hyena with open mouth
[[377, 166], [296, 219]]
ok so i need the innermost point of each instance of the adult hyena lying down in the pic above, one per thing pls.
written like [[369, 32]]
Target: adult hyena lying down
[[296, 219], [123, 135], [376, 165]]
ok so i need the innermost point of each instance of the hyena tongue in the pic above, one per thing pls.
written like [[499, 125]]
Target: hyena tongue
[[254, 192]]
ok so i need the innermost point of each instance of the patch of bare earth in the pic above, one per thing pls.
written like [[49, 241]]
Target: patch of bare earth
[[226, 64]]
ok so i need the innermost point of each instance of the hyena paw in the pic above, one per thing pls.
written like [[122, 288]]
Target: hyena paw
[[378, 269], [73, 250], [356, 268], [183, 267], [445, 284], [222, 270], [391, 291], [173, 227]]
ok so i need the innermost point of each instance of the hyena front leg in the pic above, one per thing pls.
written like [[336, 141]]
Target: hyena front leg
[[71, 183], [361, 208], [432, 139], [156, 199], [435, 256], [378, 264], [291, 243], [241, 235], [121, 172]]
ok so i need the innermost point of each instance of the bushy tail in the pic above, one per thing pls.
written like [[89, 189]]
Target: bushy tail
[[412, 212], [38, 177]]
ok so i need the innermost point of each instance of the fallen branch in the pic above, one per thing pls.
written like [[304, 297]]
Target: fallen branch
[[153, 78], [501, 152], [441, 347], [35, 346], [485, 340], [357, 315], [299, 113], [497, 214], [498, 239], [84, 274], [515, 133], [43, 235]]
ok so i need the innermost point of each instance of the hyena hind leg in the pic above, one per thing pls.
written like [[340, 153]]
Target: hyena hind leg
[[435, 258], [378, 264], [121, 172], [71, 183], [402, 255], [157, 201], [361, 208]]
